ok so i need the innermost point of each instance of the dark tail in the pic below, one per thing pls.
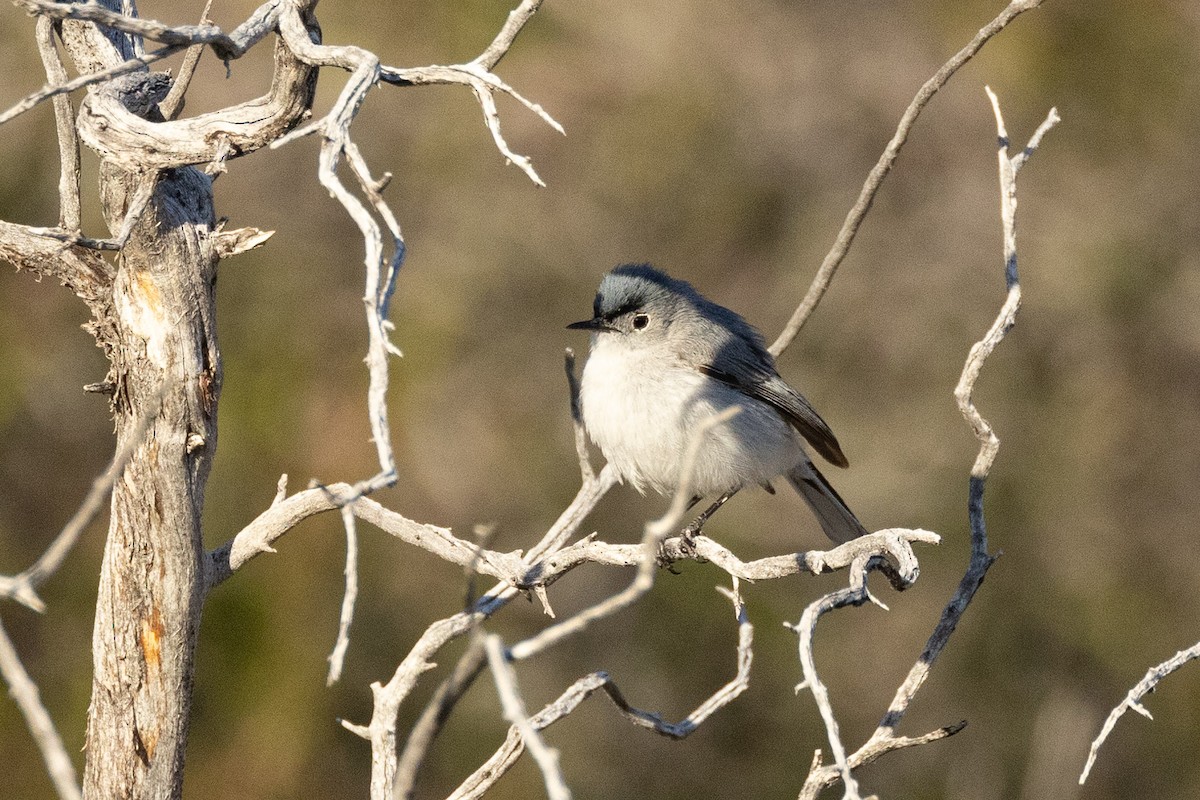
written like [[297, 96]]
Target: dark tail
[[836, 518]]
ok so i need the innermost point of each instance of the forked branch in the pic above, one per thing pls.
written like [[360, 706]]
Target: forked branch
[[885, 739]]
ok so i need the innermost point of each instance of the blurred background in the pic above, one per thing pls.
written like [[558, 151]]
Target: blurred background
[[725, 143]]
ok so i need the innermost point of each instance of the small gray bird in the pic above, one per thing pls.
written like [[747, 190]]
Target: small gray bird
[[663, 359]]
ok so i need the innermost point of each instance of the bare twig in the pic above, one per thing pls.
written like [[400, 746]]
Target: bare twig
[[884, 739], [866, 196], [1133, 700], [503, 759], [31, 100], [805, 630], [25, 694], [23, 587], [226, 46], [64, 120], [172, 104], [338, 657], [388, 697], [478, 75], [499, 47], [335, 129], [436, 712], [514, 711]]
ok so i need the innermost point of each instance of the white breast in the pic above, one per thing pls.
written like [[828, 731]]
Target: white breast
[[641, 407]]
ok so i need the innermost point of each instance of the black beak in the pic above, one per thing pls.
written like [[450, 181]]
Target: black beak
[[594, 324]]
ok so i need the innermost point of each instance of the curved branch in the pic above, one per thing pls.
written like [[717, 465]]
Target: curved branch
[[503, 759], [131, 142], [884, 739]]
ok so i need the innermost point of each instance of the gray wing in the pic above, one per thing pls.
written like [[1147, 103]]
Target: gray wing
[[775, 392], [733, 352]]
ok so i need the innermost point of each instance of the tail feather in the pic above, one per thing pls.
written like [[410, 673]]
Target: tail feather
[[836, 518]]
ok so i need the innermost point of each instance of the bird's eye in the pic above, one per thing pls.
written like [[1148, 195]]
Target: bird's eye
[[640, 321]]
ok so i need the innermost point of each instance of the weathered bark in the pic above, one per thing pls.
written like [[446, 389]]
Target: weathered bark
[[154, 315], [152, 579]]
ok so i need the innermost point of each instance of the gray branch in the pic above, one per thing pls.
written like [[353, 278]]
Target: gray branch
[[1133, 700], [884, 739], [25, 694], [883, 166]]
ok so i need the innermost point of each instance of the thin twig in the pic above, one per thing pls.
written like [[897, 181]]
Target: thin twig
[[69, 213], [434, 717], [514, 711], [176, 36], [335, 128], [1133, 700], [338, 657], [23, 587], [172, 104], [845, 237], [25, 694], [500, 46], [805, 630], [884, 739], [478, 75], [31, 100], [504, 758]]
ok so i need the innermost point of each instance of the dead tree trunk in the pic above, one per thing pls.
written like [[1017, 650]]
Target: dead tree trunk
[[152, 581], [157, 324]]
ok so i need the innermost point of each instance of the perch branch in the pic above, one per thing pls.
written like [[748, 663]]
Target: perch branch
[[654, 535]]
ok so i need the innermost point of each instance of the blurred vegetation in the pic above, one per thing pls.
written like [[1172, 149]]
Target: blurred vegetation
[[724, 142]]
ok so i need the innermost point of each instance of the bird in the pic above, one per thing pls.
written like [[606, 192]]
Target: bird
[[662, 359]]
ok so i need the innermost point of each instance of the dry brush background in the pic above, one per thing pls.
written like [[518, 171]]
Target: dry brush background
[[724, 143]]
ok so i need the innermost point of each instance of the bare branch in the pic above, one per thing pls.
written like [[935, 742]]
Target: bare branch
[[478, 75], [226, 46], [25, 694], [436, 712], [805, 629], [503, 759], [23, 587], [499, 47], [172, 105], [514, 711], [64, 120], [335, 129], [884, 738], [30, 101], [866, 196], [1133, 700], [338, 657]]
